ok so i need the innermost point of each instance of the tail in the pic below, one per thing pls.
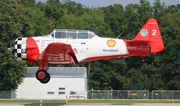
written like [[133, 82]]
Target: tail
[[150, 33]]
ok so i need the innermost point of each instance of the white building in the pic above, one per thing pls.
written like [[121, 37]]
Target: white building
[[70, 82]]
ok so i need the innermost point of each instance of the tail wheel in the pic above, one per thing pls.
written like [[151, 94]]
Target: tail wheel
[[43, 76]]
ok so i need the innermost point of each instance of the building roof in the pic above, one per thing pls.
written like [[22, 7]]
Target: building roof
[[60, 72]]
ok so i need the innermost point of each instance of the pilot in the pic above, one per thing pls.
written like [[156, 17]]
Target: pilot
[[61, 34]]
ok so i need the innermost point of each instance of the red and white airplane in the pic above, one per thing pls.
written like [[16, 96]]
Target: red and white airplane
[[64, 46]]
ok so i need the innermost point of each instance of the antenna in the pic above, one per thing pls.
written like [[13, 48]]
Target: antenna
[[120, 34]]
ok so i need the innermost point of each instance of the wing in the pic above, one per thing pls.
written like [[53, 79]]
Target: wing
[[59, 53]]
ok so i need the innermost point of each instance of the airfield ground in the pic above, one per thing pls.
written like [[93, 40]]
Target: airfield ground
[[111, 102], [142, 104]]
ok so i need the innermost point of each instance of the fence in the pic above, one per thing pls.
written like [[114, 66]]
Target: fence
[[118, 94], [97, 94], [165, 94], [5, 94]]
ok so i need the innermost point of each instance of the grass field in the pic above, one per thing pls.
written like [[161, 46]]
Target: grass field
[[89, 101]]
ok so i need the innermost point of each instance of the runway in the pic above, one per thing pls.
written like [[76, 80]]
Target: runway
[[100, 104]]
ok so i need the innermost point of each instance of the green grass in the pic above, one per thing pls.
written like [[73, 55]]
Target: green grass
[[107, 101]]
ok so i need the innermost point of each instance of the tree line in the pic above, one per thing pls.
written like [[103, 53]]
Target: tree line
[[161, 71]]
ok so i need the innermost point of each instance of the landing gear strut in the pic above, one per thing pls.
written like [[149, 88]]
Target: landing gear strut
[[143, 59], [43, 76]]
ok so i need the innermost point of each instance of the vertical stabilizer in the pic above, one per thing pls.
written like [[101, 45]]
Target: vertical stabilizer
[[150, 32]]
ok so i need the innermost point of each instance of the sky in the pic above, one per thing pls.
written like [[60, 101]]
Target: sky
[[101, 3]]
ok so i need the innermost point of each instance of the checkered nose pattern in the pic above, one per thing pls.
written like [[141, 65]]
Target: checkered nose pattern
[[19, 48]]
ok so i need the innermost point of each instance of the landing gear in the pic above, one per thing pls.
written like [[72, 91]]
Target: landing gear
[[143, 59], [43, 76]]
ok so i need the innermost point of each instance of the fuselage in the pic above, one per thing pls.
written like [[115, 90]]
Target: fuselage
[[96, 48], [86, 46]]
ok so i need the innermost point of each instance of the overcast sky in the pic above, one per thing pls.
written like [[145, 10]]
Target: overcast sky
[[95, 3]]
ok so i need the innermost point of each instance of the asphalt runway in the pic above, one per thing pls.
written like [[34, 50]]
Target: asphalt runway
[[144, 104]]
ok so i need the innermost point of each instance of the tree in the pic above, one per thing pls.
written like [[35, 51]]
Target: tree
[[22, 18], [94, 20], [171, 58], [40, 22], [115, 20], [10, 29], [11, 71], [27, 3]]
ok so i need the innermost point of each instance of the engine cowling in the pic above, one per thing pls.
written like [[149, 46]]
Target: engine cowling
[[26, 49]]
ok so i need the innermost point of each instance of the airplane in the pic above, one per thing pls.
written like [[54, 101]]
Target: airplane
[[68, 46]]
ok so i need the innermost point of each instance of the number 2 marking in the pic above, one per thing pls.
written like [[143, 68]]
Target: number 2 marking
[[154, 32]]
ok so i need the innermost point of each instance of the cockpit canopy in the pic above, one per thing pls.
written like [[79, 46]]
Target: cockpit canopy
[[72, 34]]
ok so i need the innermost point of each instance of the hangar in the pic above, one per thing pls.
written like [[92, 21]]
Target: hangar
[[65, 82]]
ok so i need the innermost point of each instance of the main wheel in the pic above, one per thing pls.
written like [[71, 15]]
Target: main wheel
[[43, 76], [47, 79]]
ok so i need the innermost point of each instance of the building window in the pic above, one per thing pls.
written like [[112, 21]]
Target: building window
[[50, 92], [61, 88], [61, 92]]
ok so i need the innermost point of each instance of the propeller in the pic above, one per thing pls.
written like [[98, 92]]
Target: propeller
[[11, 50]]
